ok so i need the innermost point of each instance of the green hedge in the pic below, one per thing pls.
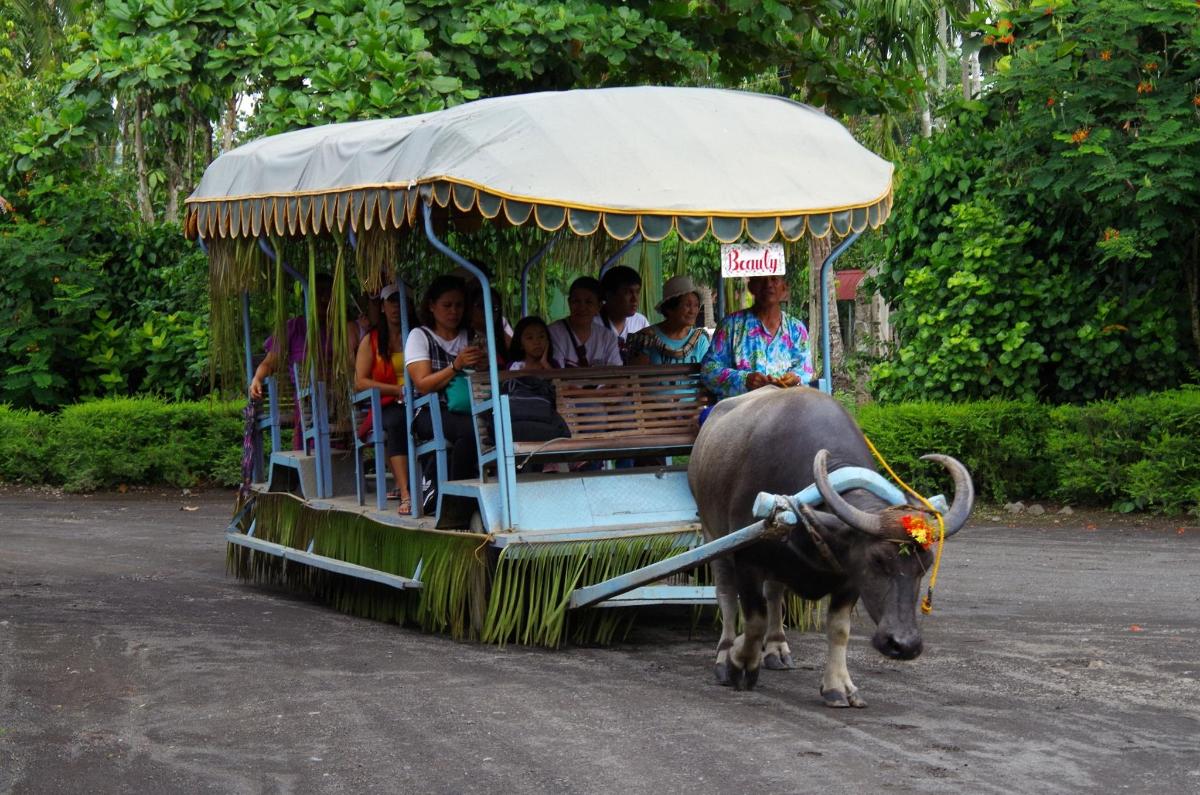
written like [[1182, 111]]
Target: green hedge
[[1128, 454], [104, 443], [1133, 454]]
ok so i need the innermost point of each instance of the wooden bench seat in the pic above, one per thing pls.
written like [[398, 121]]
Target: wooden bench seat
[[614, 411]]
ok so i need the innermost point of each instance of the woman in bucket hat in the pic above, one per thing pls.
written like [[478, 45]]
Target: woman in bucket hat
[[676, 340]]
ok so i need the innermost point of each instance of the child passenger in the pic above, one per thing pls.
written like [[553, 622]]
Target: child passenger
[[530, 349]]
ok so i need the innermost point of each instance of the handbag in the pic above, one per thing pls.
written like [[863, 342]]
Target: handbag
[[458, 395], [531, 402], [529, 398]]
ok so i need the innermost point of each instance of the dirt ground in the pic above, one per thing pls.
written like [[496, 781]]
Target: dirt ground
[[1063, 656]]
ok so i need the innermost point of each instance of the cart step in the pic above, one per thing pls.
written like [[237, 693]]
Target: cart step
[[322, 562], [664, 595]]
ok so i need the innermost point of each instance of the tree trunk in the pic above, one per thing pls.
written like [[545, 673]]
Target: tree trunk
[[229, 123], [145, 209], [1192, 277], [943, 34], [926, 105]]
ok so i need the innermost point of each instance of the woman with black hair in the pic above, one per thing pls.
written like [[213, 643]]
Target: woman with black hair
[[577, 340], [380, 365], [436, 353]]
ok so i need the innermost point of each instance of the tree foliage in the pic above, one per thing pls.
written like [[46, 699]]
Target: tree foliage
[[1046, 243]]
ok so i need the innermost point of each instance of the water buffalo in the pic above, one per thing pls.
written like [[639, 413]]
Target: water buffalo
[[780, 441]]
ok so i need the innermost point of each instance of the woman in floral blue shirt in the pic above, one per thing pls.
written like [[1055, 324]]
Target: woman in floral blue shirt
[[758, 346]]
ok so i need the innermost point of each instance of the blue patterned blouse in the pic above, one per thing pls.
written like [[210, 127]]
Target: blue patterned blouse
[[742, 346]]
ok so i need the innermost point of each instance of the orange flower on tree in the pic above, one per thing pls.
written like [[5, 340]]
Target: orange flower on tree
[[1080, 135], [1106, 55], [1004, 25], [989, 40], [1111, 234], [1150, 66], [1145, 87], [1006, 39], [1196, 100]]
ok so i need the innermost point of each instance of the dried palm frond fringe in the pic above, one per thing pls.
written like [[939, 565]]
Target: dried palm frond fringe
[[454, 578], [524, 600]]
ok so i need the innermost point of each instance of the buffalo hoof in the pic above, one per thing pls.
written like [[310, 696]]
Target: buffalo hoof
[[743, 679], [836, 699], [775, 662], [724, 673]]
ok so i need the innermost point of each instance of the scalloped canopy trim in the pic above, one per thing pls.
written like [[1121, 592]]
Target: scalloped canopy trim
[[394, 208]]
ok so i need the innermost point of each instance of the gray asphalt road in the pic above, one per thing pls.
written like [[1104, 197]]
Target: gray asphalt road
[[1057, 660]]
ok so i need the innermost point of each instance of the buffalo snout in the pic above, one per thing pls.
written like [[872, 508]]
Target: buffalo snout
[[898, 646]]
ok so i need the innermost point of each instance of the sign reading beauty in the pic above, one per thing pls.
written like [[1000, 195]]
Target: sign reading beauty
[[743, 259]]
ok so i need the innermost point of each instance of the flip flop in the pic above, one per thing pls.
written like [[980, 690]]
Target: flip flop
[[394, 494], [405, 507]]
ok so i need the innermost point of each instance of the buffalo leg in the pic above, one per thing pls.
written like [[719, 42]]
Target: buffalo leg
[[722, 569], [836, 688], [777, 655], [746, 655]]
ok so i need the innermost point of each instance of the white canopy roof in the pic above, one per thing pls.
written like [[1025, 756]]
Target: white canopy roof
[[646, 159]]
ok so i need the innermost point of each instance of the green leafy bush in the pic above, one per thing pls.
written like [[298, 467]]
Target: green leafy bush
[[1139, 453], [93, 305], [1131, 454], [104, 443], [1001, 442], [24, 445], [1043, 243]]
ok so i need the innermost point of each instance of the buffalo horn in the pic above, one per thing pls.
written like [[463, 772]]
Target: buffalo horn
[[964, 492], [855, 517]]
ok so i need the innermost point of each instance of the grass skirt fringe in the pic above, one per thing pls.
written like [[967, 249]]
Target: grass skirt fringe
[[522, 598]]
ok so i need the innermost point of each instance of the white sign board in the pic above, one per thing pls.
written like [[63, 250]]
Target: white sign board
[[741, 259]]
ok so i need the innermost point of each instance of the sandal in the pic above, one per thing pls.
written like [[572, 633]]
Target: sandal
[[394, 494], [405, 506]]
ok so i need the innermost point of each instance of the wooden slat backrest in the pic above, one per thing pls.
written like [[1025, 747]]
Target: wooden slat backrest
[[603, 402]]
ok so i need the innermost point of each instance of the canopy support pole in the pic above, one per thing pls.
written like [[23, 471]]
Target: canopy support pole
[[503, 475], [630, 243], [826, 382], [534, 260]]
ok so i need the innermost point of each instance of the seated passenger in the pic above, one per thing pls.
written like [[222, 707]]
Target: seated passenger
[[380, 365], [758, 346], [621, 288], [530, 348], [478, 327], [531, 400], [436, 353], [296, 341], [675, 340], [578, 340]]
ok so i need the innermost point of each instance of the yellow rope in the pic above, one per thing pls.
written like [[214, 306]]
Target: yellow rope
[[927, 602]]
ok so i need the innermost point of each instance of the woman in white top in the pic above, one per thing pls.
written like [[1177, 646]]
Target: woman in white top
[[577, 340], [436, 352]]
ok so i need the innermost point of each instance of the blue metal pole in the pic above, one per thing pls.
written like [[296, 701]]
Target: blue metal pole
[[534, 260], [414, 478], [506, 499], [246, 343], [590, 595], [630, 243], [826, 382]]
